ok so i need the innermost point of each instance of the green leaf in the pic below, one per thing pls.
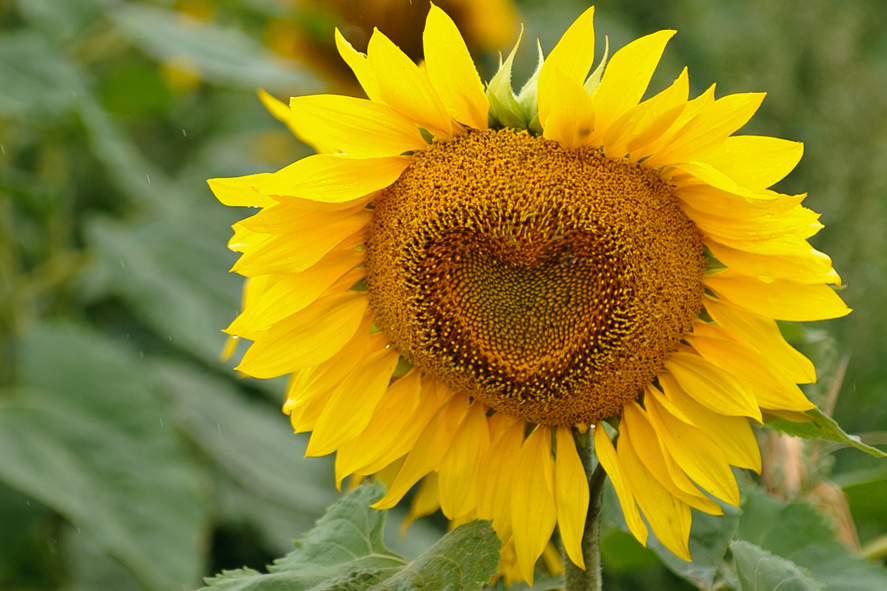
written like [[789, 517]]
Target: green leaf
[[172, 269], [345, 551], [252, 442], [759, 570], [87, 437], [36, 81], [223, 55], [866, 491], [465, 558], [825, 427], [90, 568], [782, 528], [795, 531]]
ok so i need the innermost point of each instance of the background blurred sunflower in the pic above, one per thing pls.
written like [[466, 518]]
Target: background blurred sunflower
[[457, 269]]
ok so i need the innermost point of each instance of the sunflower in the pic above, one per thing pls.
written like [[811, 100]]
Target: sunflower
[[462, 276]]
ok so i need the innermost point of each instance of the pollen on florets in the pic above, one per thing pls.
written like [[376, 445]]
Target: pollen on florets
[[550, 283]]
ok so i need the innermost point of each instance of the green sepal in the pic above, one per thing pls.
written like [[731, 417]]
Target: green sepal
[[504, 108], [595, 79], [527, 98], [826, 427]]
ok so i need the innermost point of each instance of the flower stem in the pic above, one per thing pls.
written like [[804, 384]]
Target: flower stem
[[575, 578]]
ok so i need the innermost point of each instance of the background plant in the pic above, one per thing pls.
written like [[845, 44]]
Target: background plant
[[132, 458]]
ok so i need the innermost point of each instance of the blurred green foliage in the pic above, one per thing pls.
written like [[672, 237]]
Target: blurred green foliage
[[132, 458]]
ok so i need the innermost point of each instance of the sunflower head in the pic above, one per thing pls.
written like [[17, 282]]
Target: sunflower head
[[463, 274]]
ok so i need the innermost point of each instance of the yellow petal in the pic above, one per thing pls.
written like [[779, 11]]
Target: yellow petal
[[306, 338], [574, 52], [571, 117], [626, 78], [303, 418], [763, 335], [649, 120], [432, 397], [292, 293], [397, 408], [428, 452], [695, 452], [750, 367], [606, 453], [284, 114], [533, 509], [571, 495], [333, 179], [458, 471], [508, 567], [636, 430], [691, 109], [294, 253], [551, 558], [798, 261], [245, 239], [425, 502], [404, 86], [798, 222], [663, 511], [573, 56], [715, 178], [733, 435], [782, 300], [711, 386], [360, 66], [754, 161], [356, 127], [321, 381], [452, 71], [351, 406], [708, 130], [753, 204], [494, 482], [241, 191], [283, 218]]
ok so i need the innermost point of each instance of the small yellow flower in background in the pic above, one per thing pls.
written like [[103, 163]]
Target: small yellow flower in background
[[462, 275]]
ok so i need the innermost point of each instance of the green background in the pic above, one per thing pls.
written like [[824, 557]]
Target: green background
[[132, 458]]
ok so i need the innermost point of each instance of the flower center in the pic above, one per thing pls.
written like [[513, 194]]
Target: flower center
[[550, 283]]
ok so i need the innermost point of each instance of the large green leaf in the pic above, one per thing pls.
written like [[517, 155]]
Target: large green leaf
[[795, 531], [866, 491], [346, 551], [826, 427], [88, 438], [36, 80], [759, 570], [223, 55], [172, 269], [251, 441], [63, 19], [90, 568]]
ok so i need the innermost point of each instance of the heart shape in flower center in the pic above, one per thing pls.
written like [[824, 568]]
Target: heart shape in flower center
[[549, 283]]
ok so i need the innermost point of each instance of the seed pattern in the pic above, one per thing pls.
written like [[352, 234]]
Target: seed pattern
[[550, 283]]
